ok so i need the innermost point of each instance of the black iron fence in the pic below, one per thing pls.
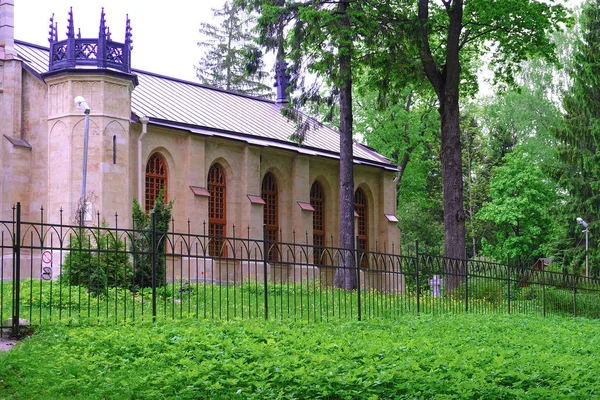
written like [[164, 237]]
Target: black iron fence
[[101, 274]]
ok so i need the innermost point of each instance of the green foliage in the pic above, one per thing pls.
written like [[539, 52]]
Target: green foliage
[[232, 61], [521, 207], [404, 127], [561, 301], [466, 356], [144, 243], [511, 32], [491, 290], [97, 260]]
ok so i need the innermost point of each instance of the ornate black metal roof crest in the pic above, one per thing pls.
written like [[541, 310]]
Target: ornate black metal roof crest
[[102, 53]]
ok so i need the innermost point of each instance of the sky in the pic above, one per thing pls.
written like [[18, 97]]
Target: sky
[[165, 33]]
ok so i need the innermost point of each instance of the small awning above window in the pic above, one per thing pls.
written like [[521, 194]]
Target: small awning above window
[[200, 191], [255, 199], [306, 206], [391, 217]]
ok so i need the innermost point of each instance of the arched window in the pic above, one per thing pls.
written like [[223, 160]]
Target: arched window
[[271, 215], [216, 210], [317, 200], [360, 207], [156, 179]]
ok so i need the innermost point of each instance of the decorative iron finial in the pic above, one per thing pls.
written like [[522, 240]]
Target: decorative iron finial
[[102, 53], [102, 33], [282, 81], [71, 26], [128, 34], [52, 32]]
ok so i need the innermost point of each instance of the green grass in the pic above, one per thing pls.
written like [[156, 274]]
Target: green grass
[[428, 357]]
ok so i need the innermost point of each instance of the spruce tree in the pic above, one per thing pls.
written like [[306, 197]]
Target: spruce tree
[[232, 61], [579, 173]]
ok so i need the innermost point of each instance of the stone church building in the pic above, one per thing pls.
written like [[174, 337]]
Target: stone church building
[[225, 159]]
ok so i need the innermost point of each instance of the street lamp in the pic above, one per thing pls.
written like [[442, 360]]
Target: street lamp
[[581, 222], [83, 106]]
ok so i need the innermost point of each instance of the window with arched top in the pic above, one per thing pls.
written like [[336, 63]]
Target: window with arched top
[[360, 208], [156, 179], [217, 216], [317, 201], [271, 215]]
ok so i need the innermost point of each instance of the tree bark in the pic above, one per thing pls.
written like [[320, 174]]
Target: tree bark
[[345, 276], [452, 186], [445, 82]]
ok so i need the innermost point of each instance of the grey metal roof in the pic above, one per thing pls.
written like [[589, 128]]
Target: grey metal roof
[[208, 111]]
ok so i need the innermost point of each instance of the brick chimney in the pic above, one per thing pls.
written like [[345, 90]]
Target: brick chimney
[[7, 30]]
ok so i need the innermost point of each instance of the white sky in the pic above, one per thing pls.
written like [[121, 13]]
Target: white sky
[[165, 33]]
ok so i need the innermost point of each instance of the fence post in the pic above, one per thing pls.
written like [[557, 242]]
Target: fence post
[[508, 280], [357, 266], [575, 282], [265, 268], [417, 277], [543, 292], [17, 274], [154, 266], [466, 283]]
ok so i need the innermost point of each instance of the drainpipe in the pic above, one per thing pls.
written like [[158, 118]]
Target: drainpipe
[[144, 121]]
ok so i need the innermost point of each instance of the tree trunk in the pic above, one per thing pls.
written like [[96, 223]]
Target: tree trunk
[[346, 277], [445, 82], [452, 186]]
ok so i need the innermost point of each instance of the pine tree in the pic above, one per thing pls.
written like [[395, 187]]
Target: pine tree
[[232, 61], [579, 173]]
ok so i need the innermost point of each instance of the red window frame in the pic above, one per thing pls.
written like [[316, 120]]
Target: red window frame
[[271, 215], [361, 208], [156, 179], [317, 201], [217, 211]]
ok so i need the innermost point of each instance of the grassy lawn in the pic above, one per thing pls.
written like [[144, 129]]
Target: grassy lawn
[[441, 357]]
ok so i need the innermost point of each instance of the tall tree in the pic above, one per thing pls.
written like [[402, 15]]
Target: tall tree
[[517, 29], [449, 35], [232, 60], [579, 172], [321, 38]]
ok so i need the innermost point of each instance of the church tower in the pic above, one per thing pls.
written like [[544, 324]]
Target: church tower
[[99, 71]]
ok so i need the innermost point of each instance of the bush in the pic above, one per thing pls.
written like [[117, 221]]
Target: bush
[[491, 290], [97, 260], [143, 245]]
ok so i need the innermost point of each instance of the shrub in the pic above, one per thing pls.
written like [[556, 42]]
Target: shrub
[[97, 260], [143, 245], [491, 290]]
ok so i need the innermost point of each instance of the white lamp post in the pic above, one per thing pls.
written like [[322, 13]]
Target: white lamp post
[[83, 106], [581, 222]]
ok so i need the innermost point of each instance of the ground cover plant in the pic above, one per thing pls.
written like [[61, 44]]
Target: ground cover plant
[[441, 357], [43, 302]]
